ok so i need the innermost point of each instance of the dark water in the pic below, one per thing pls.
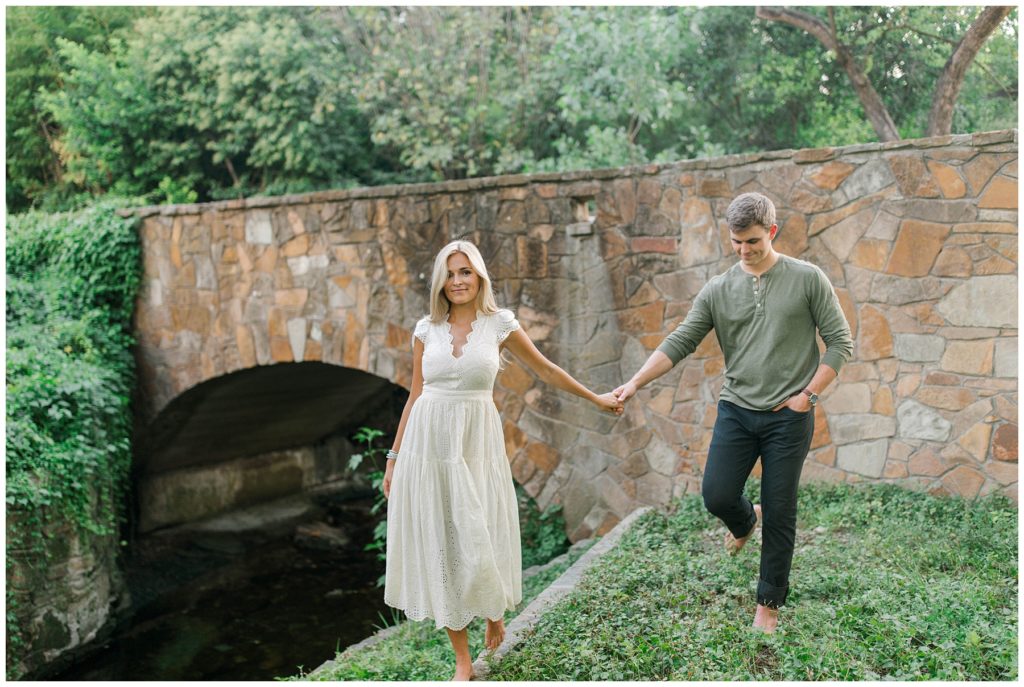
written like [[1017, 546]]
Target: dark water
[[254, 609]]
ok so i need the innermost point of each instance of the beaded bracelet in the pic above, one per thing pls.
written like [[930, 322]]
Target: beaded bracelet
[[392, 455]]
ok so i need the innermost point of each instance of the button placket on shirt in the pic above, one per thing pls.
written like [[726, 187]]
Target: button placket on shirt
[[759, 287]]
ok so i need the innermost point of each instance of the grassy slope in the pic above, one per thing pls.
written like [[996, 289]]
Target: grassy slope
[[886, 583]]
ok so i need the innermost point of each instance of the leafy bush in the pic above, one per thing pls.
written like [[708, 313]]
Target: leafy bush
[[71, 286], [542, 532], [377, 455], [210, 103]]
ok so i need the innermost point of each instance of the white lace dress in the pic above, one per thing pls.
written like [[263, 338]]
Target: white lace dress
[[453, 550]]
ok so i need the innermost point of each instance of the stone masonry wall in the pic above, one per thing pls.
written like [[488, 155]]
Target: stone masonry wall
[[918, 237], [63, 596]]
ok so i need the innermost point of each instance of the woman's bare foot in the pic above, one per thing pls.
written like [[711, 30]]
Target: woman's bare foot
[[463, 660], [463, 673], [732, 544], [766, 619], [495, 634]]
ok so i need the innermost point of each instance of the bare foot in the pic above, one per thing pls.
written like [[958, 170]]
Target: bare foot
[[766, 619], [732, 544], [463, 673], [495, 634]]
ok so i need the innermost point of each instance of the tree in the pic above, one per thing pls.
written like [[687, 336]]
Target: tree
[[940, 119], [614, 71], [757, 86], [451, 92], [209, 103], [832, 35], [202, 103], [35, 174]]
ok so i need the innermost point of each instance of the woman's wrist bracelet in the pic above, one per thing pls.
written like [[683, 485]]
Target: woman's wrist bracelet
[[392, 455]]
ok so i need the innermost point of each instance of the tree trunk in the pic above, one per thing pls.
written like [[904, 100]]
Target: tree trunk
[[54, 167], [877, 112], [947, 89]]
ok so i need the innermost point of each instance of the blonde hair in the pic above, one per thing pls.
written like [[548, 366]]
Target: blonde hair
[[439, 304]]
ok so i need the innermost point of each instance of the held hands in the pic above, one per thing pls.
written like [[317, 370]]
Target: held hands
[[625, 392], [610, 403]]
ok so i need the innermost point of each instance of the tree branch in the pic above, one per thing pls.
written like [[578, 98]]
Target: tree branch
[[877, 112], [235, 181], [801, 20], [914, 29], [947, 89], [1003, 88]]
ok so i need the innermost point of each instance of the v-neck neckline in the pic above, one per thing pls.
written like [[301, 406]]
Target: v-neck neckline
[[451, 336]]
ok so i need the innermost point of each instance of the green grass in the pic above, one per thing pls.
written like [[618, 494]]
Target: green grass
[[419, 651], [886, 584]]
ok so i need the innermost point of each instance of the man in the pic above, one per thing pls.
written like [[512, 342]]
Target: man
[[765, 311]]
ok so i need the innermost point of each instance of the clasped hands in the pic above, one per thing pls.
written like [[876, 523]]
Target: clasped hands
[[614, 401]]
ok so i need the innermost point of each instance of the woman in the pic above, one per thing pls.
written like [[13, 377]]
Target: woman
[[453, 549]]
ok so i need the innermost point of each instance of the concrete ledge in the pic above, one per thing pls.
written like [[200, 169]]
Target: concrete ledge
[[524, 622]]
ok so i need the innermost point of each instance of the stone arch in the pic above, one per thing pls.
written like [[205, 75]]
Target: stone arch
[[253, 435]]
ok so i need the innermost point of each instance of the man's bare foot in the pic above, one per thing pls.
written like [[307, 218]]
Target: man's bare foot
[[766, 619], [463, 673], [495, 634], [732, 544]]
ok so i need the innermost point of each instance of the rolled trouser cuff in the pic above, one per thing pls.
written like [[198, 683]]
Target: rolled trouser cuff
[[771, 596], [746, 529]]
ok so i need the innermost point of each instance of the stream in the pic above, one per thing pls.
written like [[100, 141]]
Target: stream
[[236, 600]]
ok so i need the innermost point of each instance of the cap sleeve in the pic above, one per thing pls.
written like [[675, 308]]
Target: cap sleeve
[[507, 323], [420, 332]]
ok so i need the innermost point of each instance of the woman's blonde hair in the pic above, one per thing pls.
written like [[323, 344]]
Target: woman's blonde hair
[[439, 304]]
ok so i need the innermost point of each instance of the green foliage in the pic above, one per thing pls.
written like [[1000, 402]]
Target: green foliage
[[451, 92], [176, 104], [223, 101], [903, 50], [366, 436], [542, 533], [175, 192], [988, 100], [71, 286], [612, 69], [887, 584], [35, 175]]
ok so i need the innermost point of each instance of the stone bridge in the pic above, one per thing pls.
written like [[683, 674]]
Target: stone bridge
[[266, 324]]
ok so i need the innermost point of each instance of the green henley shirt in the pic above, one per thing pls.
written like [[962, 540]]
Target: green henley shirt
[[765, 326]]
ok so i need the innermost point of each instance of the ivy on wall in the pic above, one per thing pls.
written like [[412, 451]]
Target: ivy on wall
[[71, 285]]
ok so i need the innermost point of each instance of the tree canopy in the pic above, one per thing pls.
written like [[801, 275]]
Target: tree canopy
[[179, 104]]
